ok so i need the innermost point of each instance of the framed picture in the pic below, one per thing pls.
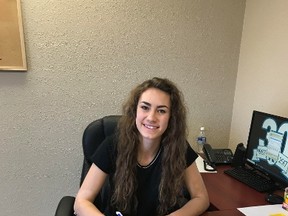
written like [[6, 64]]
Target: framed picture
[[12, 48]]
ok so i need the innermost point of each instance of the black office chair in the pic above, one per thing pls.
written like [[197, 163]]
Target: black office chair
[[93, 136]]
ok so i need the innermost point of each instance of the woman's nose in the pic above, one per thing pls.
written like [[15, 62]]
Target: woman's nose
[[152, 116]]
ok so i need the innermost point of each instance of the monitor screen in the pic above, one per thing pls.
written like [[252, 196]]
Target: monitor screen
[[267, 148]]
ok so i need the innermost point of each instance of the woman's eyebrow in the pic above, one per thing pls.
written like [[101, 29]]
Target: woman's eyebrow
[[160, 106], [163, 106], [146, 103]]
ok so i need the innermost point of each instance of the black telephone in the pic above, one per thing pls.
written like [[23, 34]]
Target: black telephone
[[217, 156]]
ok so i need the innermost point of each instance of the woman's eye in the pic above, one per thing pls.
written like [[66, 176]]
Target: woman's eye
[[162, 111], [144, 107]]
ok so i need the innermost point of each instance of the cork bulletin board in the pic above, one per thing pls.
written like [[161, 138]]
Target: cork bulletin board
[[12, 49]]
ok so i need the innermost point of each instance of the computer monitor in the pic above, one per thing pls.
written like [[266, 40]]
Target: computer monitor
[[267, 148]]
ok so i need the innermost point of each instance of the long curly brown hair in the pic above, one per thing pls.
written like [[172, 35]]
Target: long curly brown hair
[[173, 142]]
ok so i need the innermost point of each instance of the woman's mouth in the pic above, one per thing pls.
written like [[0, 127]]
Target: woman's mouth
[[151, 127]]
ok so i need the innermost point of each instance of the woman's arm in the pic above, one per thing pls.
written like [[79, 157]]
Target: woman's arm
[[199, 197], [88, 191]]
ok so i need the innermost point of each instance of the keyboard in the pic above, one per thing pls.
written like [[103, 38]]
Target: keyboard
[[251, 178]]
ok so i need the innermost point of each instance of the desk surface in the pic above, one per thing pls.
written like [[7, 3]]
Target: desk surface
[[229, 212], [227, 193]]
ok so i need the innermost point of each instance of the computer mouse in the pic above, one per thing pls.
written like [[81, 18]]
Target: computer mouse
[[274, 199]]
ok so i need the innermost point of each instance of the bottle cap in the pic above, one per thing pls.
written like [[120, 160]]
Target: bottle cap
[[202, 128]]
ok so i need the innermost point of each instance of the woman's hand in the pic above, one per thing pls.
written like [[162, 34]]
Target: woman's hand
[[88, 191]]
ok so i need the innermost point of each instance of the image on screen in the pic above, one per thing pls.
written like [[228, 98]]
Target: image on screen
[[267, 148]]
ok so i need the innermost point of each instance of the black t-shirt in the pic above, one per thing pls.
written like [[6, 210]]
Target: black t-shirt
[[148, 177]]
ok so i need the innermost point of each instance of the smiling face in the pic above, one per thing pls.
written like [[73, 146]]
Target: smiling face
[[153, 113]]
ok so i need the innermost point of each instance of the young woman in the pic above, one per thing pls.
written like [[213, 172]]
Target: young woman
[[148, 161]]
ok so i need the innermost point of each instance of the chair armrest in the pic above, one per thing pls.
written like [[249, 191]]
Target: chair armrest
[[65, 206]]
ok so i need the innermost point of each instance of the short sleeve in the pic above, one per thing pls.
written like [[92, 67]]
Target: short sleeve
[[104, 157], [191, 155]]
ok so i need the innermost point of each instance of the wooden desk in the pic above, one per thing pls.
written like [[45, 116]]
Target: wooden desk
[[226, 192], [230, 212]]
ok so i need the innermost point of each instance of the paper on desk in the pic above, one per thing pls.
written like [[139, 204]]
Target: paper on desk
[[264, 210], [200, 166]]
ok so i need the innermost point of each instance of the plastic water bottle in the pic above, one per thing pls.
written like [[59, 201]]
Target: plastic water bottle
[[201, 139]]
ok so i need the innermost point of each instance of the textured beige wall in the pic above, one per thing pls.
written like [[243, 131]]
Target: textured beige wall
[[83, 58], [262, 75]]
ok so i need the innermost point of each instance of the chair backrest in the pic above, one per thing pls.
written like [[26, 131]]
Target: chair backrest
[[93, 136]]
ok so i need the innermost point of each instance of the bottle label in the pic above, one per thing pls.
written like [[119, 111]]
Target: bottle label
[[201, 140]]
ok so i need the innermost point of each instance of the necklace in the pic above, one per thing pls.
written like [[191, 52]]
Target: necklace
[[152, 162]]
